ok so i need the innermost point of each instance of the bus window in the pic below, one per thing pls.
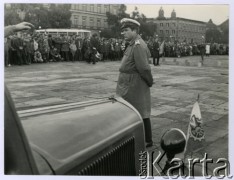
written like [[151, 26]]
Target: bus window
[[53, 33], [80, 33], [71, 33], [64, 33]]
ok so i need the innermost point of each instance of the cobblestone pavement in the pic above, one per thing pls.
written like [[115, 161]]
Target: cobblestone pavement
[[178, 81]]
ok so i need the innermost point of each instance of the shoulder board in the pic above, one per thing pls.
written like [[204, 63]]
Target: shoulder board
[[137, 42]]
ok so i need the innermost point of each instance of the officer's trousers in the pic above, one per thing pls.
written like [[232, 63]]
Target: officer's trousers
[[148, 131]]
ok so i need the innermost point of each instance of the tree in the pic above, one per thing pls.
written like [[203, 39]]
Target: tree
[[53, 16], [59, 16], [37, 14], [114, 21], [213, 35], [135, 14], [11, 17], [139, 17], [224, 27], [225, 36], [107, 33], [146, 29], [122, 14]]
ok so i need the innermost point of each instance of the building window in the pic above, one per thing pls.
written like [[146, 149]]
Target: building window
[[92, 8], [115, 11], [105, 8], [79, 6], [84, 7], [167, 31], [167, 24], [161, 31], [83, 21], [91, 22], [76, 20], [173, 31], [18, 11], [99, 8], [98, 22], [161, 24]]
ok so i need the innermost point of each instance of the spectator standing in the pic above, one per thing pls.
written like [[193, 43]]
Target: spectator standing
[[65, 48], [202, 52], [19, 50], [7, 46], [31, 49], [57, 42], [73, 50], [27, 50], [106, 49], [79, 46], [46, 49], [207, 49], [112, 50], [94, 45], [117, 50], [155, 51], [86, 49], [12, 52]]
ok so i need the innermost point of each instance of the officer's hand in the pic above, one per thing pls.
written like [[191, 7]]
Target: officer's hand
[[23, 26]]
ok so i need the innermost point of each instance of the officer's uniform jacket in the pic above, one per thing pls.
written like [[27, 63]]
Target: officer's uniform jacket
[[135, 78]]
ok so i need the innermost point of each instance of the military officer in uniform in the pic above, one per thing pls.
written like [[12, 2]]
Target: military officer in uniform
[[135, 78]]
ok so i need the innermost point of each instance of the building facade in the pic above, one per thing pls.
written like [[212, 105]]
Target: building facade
[[92, 16], [84, 16], [179, 29]]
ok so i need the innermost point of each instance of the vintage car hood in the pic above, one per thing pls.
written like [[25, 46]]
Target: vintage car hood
[[63, 133]]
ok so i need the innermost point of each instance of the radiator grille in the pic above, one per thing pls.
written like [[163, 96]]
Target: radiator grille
[[120, 161]]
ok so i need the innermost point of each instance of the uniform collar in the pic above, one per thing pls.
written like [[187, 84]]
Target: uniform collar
[[133, 40]]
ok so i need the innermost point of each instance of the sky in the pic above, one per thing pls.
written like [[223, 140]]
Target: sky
[[202, 10], [218, 13]]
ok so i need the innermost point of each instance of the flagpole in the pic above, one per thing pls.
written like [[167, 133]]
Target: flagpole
[[187, 138], [188, 134]]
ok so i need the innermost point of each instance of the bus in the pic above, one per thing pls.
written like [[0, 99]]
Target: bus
[[83, 33]]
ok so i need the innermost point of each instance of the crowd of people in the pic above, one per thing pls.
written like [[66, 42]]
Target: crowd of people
[[26, 48], [178, 49]]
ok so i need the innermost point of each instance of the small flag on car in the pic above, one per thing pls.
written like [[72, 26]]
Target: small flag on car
[[195, 136]]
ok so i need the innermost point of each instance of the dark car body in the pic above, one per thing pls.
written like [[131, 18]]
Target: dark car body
[[100, 137]]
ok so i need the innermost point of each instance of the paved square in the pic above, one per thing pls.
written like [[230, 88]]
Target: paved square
[[175, 90]]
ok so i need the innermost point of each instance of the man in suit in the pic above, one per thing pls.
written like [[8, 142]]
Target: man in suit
[[94, 46], [156, 47], [79, 46]]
